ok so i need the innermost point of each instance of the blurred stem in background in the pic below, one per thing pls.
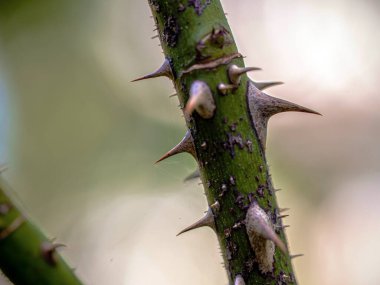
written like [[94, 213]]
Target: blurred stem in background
[[27, 257]]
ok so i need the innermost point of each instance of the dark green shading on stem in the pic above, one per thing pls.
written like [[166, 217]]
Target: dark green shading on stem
[[26, 255], [198, 43]]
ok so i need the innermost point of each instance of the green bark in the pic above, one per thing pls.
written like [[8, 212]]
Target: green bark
[[198, 42], [26, 255]]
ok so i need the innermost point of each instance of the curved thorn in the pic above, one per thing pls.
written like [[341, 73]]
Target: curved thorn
[[259, 224], [235, 72], [264, 85], [48, 250], [164, 70], [185, 145], [296, 255], [201, 100], [206, 221]]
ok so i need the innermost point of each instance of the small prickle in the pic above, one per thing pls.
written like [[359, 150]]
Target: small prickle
[[164, 70], [282, 216], [296, 255], [235, 72], [224, 88], [48, 251], [239, 280], [200, 100], [281, 226], [185, 145]]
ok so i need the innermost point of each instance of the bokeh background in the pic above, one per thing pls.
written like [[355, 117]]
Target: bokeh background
[[80, 140]]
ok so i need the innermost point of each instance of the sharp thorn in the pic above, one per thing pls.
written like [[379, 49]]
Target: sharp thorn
[[200, 100], [185, 145], [164, 70], [258, 224], [215, 208], [239, 280], [282, 216], [196, 174], [235, 72], [173, 95], [265, 85], [154, 37], [263, 106], [296, 255], [206, 221]]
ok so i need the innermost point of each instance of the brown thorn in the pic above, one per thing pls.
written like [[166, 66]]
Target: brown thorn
[[282, 216], [263, 106], [296, 255], [48, 251], [185, 145], [206, 221], [224, 88], [264, 85], [164, 70], [235, 72]]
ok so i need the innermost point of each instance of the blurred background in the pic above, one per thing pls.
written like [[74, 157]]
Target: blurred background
[[80, 140]]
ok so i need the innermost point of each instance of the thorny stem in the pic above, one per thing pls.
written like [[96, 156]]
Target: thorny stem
[[27, 257], [199, 45]]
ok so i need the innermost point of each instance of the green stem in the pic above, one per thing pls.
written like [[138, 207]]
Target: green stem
[[198, 42], [26, 255]]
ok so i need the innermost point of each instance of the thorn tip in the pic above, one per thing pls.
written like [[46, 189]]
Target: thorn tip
[[164, 70]]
